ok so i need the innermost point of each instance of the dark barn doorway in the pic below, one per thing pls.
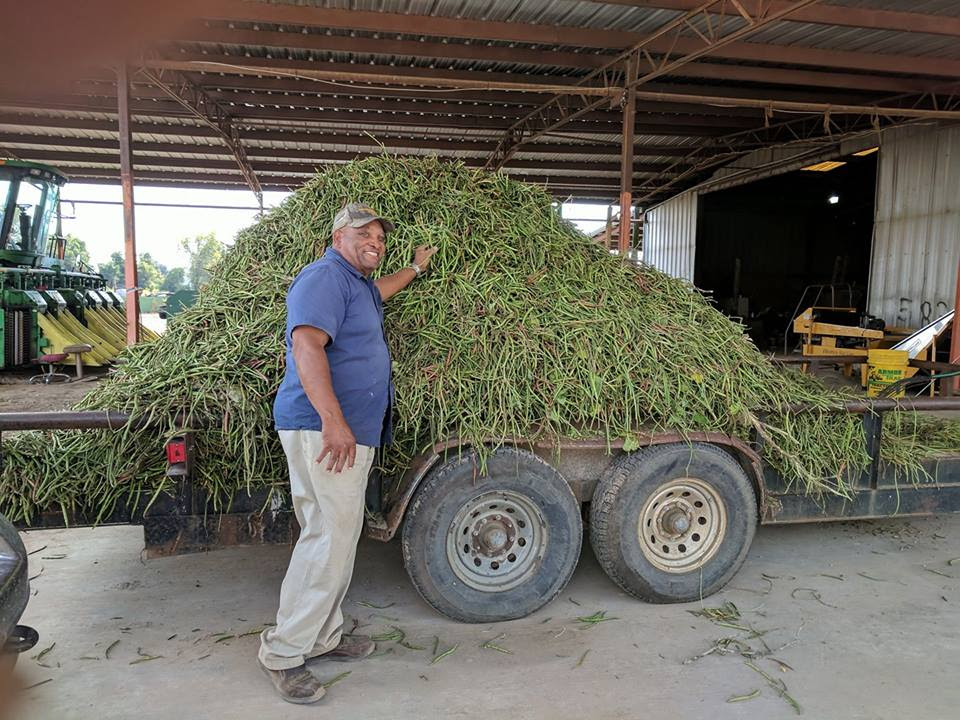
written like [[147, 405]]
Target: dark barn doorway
[[761, 245]]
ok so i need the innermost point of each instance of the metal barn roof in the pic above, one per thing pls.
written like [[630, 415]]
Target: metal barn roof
[[297, 85]]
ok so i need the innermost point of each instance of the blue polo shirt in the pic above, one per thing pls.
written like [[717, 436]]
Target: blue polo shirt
[[332, 295]]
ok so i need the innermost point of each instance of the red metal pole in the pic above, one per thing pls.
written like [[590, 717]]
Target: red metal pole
[[626, 156], [955, 332], [129, 232]]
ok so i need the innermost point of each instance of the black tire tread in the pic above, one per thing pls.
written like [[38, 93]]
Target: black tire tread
[[439, 477], [605, 495]]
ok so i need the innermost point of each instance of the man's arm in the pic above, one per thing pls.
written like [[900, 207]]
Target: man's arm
[[389, 285], [392, 284], [313, 368]]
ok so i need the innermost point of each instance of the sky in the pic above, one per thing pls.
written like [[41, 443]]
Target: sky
[[160, 229]]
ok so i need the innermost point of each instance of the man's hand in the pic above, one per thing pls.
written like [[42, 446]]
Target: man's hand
[[422, 255], [339, 446], [390, 285]]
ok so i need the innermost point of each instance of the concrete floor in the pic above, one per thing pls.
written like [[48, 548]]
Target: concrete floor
[[17, 394], [869, 614]]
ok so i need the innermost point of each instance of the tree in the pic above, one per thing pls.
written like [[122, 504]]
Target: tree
[[204, 252], [76, 251], [175, 280], [113, 271], [150, 273]]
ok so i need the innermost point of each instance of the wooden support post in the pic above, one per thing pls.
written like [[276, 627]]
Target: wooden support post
[[955, 332], [129, 231], [626, 154]]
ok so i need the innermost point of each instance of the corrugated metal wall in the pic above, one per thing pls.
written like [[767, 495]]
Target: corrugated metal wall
[[916, 240], [670, 235]]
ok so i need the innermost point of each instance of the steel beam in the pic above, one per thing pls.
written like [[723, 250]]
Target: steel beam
[[955, 332], [286, 69], [182, 90], [880, 109], [413, 77], [297, 135], [626, 158], [132, 299], [183, 180], [374, 74], [559, 111], [268, 183], [274, 72], [197, 181], [145, 157], [843, 87], [661, 98], [255, 150], [509, 105], [664, 124], [69, 420], [609, 183]]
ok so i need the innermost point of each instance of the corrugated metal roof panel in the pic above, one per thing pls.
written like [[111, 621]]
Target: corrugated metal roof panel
[[573, 13], [827, 37], [931, 7], [638, 18]]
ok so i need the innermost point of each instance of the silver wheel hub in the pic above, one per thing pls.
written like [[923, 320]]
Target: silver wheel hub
[[682, 525], [496, 541]]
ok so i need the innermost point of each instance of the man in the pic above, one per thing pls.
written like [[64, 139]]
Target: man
[[332, 412]]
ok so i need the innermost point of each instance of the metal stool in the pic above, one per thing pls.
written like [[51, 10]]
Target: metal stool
[[50, 376], [76, 351]]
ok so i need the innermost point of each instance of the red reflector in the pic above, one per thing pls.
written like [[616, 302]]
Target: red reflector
[[176, 451]]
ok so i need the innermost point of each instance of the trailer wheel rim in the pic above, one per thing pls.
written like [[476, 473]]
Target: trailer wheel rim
[[496, 541], [682, 525]]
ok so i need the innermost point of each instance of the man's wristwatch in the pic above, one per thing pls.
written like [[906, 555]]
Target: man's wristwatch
[[416, 269]]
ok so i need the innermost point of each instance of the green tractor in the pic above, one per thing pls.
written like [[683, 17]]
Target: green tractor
[[36, 289]]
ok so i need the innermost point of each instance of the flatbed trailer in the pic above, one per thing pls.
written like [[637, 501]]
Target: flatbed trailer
[[670, 520]]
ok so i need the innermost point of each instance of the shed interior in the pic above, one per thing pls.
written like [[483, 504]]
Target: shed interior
[[801, 238]]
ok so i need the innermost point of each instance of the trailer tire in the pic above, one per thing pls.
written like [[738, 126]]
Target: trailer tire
[[494, 547], [673, 523]]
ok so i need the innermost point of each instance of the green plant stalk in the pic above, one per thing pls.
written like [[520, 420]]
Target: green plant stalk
[[521, 327]]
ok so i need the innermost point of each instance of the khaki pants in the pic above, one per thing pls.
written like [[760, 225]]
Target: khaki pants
[[329, 508]]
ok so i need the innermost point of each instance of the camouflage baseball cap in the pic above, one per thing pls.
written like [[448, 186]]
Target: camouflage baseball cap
[[357, 215]]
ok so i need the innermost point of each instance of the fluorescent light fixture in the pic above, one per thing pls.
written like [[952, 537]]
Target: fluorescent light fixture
[[826, 166], [868, 151], [833, 199]]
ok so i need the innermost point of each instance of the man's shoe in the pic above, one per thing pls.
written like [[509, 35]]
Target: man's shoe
[[296, 685], [350, 649]]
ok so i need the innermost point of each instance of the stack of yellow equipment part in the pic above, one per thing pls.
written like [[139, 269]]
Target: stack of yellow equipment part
[[105, 332]]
